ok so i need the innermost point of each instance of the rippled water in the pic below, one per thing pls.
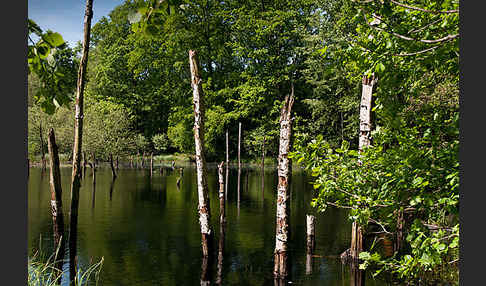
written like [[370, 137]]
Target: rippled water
[[147, 229]]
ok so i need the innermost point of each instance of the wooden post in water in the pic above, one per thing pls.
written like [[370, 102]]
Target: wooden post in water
[[311, 233], [227, 165], [78, 135], [202, 186], [280, 269], [222, 223], [310, 223], [239, 161], [364, 141], [56, 199], [113, 173], [151, 163], [263, 164]]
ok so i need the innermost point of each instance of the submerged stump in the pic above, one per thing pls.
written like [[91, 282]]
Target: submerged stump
[[280, 269]]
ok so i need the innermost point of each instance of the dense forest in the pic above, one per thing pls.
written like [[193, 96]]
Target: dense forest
[[138, 99]]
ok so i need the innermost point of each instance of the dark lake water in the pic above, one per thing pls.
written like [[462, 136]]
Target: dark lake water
[[148, 231]]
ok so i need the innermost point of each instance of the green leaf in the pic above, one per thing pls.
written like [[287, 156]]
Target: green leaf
[[380, 67], [364, 255], [134, 17], [53, 38]]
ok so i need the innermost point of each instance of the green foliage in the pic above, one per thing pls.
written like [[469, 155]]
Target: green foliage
[[412, 166], [42, 271], [161, 142], [53, 63]]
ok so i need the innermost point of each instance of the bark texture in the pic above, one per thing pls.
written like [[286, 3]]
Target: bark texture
[[202, 187], [364, 141], [151, 163], [311, 233], [283, 211], [56, 199], [78, 139], [263, 164], [239, 161]]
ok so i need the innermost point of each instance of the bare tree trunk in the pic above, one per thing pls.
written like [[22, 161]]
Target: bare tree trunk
[[113, 173], [202, 186], [311, 243], [117, 163], [143, 160], [239, 161], [364, 141], [222, 223], [56, 200], [131, 161], [311, 233], [227, 165], [151, 163], [283, 210], [78, 136], [263, 163], [43, 159]]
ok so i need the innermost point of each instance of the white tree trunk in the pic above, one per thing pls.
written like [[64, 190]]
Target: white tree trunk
[[202, 188], [283, 210]]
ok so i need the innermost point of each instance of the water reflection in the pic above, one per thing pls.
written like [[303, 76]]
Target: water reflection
[[148, 230]]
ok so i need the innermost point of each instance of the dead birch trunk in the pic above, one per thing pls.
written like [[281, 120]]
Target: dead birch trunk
[[283, 210], [227, 165], [263, 164], [202, 186], [311, 243], [222, 222], [151, 163], [56, 199], [239, 160], [78, 136], [364, 141], [311, 233], [113, 173]]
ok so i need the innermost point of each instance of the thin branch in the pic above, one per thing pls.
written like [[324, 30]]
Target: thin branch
[[338, 206], [384, 229], [446, 38], [424, 27], [424, 10], [419, 52]]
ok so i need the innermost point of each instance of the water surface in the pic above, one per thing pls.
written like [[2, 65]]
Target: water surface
[[147, 228]]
